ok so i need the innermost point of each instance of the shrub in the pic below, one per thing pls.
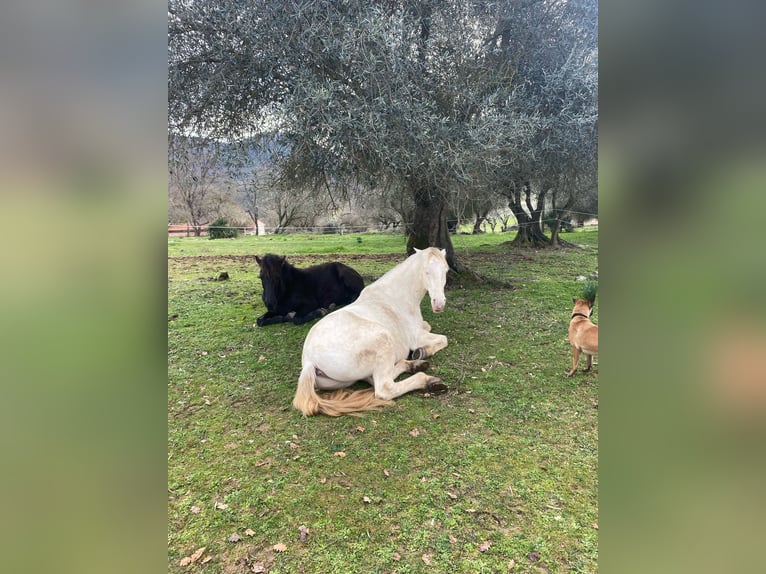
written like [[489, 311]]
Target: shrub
[[220, 229], [589, 291]]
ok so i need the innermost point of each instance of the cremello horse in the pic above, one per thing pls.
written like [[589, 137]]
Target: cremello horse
[[371, 338]]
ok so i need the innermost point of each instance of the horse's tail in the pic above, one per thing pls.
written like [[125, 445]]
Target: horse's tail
[[335, 404]]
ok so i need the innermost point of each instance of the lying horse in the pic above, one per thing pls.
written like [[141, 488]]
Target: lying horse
[[301, 295], [371, 340]]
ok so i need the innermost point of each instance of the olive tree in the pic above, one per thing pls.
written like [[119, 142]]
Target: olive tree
[[411, 96]]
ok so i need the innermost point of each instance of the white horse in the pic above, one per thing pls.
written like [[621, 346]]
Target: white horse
[[371, 339]]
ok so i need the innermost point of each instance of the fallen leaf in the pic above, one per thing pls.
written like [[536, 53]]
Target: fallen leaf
[[452, 496], [484, 546], [366, 499], [261, 358], [293, 445], [197, 553], [322, 480], [304, 533], [340, 453], [435, 416], [258, 568], [234, 538], [360, 429], [195, 509], [595, 525], [452, 539], [426, 558], [396, 556], [193, 558], [221, 506], [250, 532], [511, 564], [472, 411], [279, 547], [414, 432], [206, 559], [385, 471]]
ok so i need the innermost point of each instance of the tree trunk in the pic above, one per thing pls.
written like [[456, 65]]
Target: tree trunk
[[429, 227], [477, 224], [530, 233], [556, 223], [555, 228]]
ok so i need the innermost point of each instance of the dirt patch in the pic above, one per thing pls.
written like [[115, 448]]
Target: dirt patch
[[248, 559]]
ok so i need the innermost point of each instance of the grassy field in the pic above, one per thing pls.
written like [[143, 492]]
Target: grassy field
[[497, 475]]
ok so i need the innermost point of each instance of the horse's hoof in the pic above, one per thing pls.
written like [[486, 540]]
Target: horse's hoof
[[418, 354], [419, 366], [435, 385]]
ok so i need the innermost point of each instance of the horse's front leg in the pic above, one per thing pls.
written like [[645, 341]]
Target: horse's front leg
[[271, 318], [428, 344], [310, 316]]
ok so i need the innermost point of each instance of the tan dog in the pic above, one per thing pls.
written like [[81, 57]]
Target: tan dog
[[583, 334]]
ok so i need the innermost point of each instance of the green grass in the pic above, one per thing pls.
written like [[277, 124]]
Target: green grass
[[508, 455]]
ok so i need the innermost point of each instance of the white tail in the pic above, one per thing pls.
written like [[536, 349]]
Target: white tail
[[333, 404]]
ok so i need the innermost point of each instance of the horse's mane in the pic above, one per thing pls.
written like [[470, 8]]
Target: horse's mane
[[418, 258]]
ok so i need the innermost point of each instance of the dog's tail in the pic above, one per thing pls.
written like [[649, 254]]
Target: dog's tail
[[333, 404]]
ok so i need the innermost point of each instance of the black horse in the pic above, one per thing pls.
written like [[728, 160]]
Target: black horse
[[301, 295]]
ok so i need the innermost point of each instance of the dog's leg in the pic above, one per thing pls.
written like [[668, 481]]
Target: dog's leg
[[588, 363], [575, 359]]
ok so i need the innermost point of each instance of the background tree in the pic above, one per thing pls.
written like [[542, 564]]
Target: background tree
[[193, 175], [547, 116], [420, 98]]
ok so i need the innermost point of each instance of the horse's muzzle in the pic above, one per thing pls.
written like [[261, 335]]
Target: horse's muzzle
[[437, 305]]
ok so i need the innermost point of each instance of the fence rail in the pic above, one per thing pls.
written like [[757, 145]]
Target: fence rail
[[188, 230]]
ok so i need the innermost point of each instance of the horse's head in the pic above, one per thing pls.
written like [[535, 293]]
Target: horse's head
[[435, 277], [271, 278]]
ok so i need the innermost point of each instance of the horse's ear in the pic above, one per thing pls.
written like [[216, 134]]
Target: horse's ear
[[259, 261]]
